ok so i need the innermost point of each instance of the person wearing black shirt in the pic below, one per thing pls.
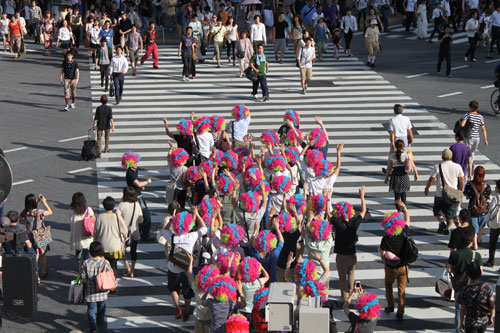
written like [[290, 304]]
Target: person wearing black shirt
[[183, 141], [124, 26], [10, 247], [103, 120], [457, 240], [132, 178], [445, 39], [279, 36], [70, 74]]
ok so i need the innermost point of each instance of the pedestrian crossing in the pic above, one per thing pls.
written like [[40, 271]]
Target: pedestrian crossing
[[355, 110]]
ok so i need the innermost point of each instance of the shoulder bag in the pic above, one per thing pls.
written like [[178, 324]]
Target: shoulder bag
[[105, 280], [178, 256], [494, 218], [450, 195], [41, 236], [251, 74], [444, 287], [88, 224], [409, 165]]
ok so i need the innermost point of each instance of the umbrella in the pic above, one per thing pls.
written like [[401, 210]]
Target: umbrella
[[251, 2]]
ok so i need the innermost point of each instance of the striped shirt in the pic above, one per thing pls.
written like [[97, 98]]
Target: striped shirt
[[477, 121]]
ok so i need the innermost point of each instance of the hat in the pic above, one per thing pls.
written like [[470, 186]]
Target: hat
[[123, 13], [373, 21]]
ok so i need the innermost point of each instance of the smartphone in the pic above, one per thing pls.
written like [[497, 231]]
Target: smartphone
[[358, 284]]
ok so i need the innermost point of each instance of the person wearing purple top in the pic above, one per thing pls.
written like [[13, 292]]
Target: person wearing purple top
[[462, 154], [330, 9]]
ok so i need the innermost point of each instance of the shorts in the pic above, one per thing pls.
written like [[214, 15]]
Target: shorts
[[306, 73], [441, 208], [134, 56], [179, 282], [93, 46], [280, 45], [69, 88], [66, 44], [478, 222], [373, 47], [4, 34]]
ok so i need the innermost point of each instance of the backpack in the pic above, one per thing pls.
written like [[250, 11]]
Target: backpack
[[460, 280], [409, 252], [479, 202], [466, 129]]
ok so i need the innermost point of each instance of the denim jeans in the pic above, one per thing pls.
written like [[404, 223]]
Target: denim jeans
[[457, 315], [95, 314], [263, 85], [118, 80], [478, 222]]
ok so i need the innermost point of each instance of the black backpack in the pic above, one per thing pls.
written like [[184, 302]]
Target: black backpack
[[409, 251], [466, 129], [90, 151]]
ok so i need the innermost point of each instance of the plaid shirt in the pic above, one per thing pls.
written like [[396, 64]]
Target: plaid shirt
[[36, 14], [133, 41], [91, 268]]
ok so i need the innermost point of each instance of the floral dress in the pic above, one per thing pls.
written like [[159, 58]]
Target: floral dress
[[33, 220], [48, 31]]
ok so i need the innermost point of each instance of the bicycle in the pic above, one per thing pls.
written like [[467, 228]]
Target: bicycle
[[494, 101]]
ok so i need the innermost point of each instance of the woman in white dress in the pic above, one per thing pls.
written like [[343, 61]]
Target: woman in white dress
[[422, 20]]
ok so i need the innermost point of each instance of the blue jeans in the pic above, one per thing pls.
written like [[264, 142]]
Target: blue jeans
[[92, 307], [263, 85], [457, 315], [118, 80], [385, 17], [478, 222]]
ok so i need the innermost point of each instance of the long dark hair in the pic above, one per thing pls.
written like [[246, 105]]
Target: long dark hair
[[78, 203], [129, 194], [30, 202], [400, 146]]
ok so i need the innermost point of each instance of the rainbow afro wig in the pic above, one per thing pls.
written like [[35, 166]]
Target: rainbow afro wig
[[207, 167], [314, 289], [343, 210], [276, 163], [313, 156], [225, 184], [241, 151], [320, 230], [260, 297], [368, 306], [265, 241], [129, 159], [216, 156], [237, 323], [318, 138], [223, 288], [293, 116], [179, 157], [208, 207], [253, 177], [393, 223], [230, 160], [222, 262], [249, 269], [323, 169], [292, 137], [267, 189], [202, 125], [317, 203], [281, 183], [205, 276], [193, 174], [269, 137], [240, 112], [218, 123], [287, 222], [305, 271], [185, 127], [183, 222], [244, 163], [292, 154], [299, 201], [250, 201], [232, 234]]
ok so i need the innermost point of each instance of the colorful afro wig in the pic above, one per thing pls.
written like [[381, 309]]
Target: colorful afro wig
[[218, 123], [179, 157], [393, 223], [244, 163], [230, 160], [299, 200], [183, 222], [368, 306], [216, 156], [343, 210], [185, 127], [208, 207], [265, 241], [276, 163], [318, 138], [193, 174], [287, 222], [242, 151], [225, 184], [232, 234], [292, 154], [281, 183], [293, 137], [222, 262], [129, 159], [207, 167], [240, 112], [323, 169], [253, 177], [202, 125], [269, 137], [249, 269], [305, 271], [314, 289], [267, 189], [250, 201], [260, 297], [293, 116], [318, 203], [320, 230], [205, 276], [313, 156], [237, 323], [223, 288]]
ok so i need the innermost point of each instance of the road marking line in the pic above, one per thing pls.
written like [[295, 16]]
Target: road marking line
[[23, 182], [459, 67], [490, 61], [451, 94], [488, 87], [416, 75], [79, 170], [15, 149], [75, 138]]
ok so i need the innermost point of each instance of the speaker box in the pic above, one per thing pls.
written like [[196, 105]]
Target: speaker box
[[19, 285]]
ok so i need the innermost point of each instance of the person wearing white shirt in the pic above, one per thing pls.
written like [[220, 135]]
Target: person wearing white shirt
[[410, 14], [317, 14], [473, 4], [472, 30], [349, 25], [486, 33], [400, 128], [195, 24], [445, 5], [117, 69], [305, 58], [436, 18], [258, 33], [495, 27], [422, 20]]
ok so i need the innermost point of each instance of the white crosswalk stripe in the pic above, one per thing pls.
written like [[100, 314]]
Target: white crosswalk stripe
[[355, 111]]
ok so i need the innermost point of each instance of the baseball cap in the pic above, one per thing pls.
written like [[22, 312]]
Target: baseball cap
[[373, 21]]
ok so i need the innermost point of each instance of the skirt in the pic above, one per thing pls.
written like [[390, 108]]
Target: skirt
[[399, 182]]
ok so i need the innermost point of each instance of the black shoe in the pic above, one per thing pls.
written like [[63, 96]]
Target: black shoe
[[384, 171], [399, 316], [446, 231], [372, 65], [441, 228], [389, 310], [489, 264]]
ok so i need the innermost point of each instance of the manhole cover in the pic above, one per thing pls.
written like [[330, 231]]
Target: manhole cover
[[321, 83]]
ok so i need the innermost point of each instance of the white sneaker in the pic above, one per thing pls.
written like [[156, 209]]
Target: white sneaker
[[186, 79], [66, 108], [474, 60], [72, 105], [465, 59], [252, 96]]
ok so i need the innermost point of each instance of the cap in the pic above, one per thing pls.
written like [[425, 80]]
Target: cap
[[123, 13], [373, 21]]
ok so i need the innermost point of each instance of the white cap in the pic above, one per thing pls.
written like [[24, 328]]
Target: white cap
[[373, 21]]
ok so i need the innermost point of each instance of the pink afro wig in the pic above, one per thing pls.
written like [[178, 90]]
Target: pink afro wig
[[222, 262], [267, 189], [207, 167], [250, 201], [217, 156], [305, 271], [223, 288], [232, 234], [179, 157], [265, 241], [202, 125], [260, 297], [237, 323], [129, 159], [299, 201], [393, 223], [240, 112], [205, 276], [281, 183], [244, 163], [293, 116], [314, 289], [193, 174], [368, 306], [218, 123], [323, 168], [208, 207], [225, 185], [320, 230], [292, 154], [269, 137], [313, 156], [318, 203], [253, 177], [185, 127], [183, 222], [318, 137], [230, 160], [249, 269], [292, 137], [276, 163], [343, 210], [241, 151], [287, 222]]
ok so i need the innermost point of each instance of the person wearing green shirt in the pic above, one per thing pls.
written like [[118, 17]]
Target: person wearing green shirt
[[259, 63], [217, 34]]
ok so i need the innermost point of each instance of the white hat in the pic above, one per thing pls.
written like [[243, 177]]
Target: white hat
[[374, 21]]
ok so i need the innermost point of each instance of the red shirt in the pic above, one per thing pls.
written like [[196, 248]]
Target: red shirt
[[15, 29]]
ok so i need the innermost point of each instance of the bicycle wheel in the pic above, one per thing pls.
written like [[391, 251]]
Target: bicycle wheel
[[494, 101]]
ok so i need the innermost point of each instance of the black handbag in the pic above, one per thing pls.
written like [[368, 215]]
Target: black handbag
[[111, 89], [251, 74]]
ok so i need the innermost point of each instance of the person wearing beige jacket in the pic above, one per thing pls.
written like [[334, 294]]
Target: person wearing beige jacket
[[130, 211]]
